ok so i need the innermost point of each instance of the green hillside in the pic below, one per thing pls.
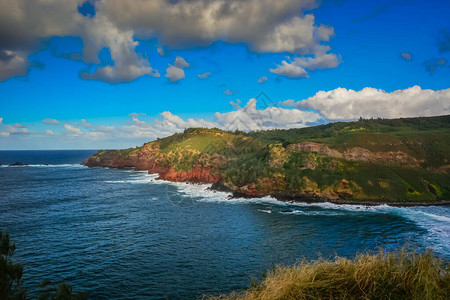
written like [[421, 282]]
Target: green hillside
[[393, 161]]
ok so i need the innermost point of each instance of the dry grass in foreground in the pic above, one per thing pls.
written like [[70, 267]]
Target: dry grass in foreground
[[396, 275]]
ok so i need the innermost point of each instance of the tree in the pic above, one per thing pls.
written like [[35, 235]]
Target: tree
[[62, 291], [11, 283]]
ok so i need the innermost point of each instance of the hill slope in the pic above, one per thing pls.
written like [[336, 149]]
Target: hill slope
[[391, 161]]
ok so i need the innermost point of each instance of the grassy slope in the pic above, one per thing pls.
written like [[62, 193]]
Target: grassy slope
[[398, 275], [422, 138], [261, 162], [426, 139]]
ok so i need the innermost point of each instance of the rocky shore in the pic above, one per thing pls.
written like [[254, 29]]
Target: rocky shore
[[401, 162]]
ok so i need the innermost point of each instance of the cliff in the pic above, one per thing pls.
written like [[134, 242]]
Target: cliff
[[401, 161]]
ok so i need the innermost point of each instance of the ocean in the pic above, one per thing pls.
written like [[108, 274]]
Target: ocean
[[121, 234]]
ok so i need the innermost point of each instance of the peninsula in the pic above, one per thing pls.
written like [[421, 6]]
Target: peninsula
[[394, 161]]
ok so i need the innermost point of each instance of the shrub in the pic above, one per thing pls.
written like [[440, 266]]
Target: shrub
[[396, 275]]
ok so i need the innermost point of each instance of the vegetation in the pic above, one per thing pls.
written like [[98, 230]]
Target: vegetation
[[379, 160], [12, 285], [396, 275], [61, 291]]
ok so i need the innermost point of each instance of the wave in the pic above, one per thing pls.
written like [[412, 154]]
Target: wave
[[434, 220]]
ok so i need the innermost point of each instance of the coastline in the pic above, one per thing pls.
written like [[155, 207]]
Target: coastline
[[305, 198], [313, 198]]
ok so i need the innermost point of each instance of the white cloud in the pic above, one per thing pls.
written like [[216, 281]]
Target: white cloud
[[290, 70], [230, 92], [266, 26], [262, 79], [289, 102], [251, 118], [243, 118], [85, 124], [49, 121], [338, 104], [204, 75], [297, 68], [174, 73], [181, 63], [17, 129], [72, 129], [161, 51], [128, 65], [343, 104]]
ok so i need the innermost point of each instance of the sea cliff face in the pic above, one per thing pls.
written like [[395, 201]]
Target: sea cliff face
[[371, 161]]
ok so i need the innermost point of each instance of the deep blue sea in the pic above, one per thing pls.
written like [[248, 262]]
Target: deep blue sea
[[122, 234]]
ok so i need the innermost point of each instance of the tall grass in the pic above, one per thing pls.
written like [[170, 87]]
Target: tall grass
[[396, 275]]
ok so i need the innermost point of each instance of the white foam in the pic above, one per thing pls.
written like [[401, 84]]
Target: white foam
[[436, 224], [116, 181]]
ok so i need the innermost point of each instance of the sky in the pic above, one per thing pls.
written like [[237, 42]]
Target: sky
[[99, 74]]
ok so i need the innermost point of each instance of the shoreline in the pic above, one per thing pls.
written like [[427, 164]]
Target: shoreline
[[312, 198], [306, 198]]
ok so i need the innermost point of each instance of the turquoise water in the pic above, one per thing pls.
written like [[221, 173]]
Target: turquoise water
[[122, 234]]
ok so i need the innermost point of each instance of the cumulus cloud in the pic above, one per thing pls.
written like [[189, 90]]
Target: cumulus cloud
[[49, 121], [266, 26], [181, 63], [72, 129], [262, 79], [141, 126], [343, 104], [13, 63], [290, 70], [274, 26], [175, 72], [248, 117], [251, 118], [298, 66], [85, 124], [16, 129], [338, 104], [204, 75], [24, 24]]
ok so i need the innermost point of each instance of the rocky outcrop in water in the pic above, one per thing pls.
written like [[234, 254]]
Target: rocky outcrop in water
[[18, 164]]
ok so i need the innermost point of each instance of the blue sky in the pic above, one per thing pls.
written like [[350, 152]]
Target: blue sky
[[342, 59]]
